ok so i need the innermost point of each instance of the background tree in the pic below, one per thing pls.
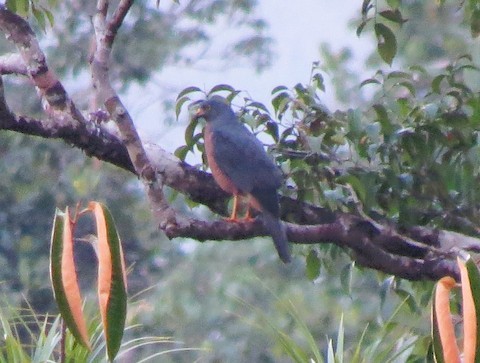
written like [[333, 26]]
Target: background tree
[[384, 180]]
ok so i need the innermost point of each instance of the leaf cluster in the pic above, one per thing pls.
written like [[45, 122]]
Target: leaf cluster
[[386, 18], [411, 157]]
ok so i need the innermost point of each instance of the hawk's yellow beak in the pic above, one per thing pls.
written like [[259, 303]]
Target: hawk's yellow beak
[[200, 112]]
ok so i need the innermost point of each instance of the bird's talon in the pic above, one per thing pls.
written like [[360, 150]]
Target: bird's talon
[[230, 219]]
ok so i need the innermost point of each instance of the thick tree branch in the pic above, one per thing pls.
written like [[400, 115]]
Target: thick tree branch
[[376, 246]]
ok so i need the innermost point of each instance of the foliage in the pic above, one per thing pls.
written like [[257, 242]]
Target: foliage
[[38, 8], [410, 157], [417, 24], [27, 336], [407, 155], [54, 176]]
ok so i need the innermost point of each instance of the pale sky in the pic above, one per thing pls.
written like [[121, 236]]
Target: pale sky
[[298, 29]]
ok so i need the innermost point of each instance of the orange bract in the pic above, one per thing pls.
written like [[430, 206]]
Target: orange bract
[[64, 277], [469, 316], [104, 260], [451, 353]]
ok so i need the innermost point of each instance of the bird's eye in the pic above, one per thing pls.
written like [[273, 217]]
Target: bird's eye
[[206, 108]]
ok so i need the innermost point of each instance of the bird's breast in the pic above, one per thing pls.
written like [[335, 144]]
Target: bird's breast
[[220, 177]]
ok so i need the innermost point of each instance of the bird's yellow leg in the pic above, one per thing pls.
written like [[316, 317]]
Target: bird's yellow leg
[[233, 217], [248, 215]]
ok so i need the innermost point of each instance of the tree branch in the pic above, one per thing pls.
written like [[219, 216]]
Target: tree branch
[[57, 102], [117, 20], [105, 33], [377, 246]]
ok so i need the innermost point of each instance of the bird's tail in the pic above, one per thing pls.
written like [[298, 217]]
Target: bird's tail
[[277, 230]]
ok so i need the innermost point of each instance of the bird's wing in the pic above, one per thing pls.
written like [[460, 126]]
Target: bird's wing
[[242, 158]]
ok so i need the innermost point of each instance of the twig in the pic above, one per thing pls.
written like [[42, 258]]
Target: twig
[[117, 20]]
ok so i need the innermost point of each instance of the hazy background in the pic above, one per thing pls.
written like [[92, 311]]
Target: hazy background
[[297, 30]]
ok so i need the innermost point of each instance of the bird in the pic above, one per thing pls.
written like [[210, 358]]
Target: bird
[[241, 167]]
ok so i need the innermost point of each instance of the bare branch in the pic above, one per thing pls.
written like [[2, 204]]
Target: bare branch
[[59, 105], [104, 36], [117, 20], [118, 112]]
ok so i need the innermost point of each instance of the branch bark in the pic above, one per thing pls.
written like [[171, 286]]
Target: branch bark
[[416, 253], [105, 33], [52, 92]]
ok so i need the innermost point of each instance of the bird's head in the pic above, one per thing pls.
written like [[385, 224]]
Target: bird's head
[[212, 109]]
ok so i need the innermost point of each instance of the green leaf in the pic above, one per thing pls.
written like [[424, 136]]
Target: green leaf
[[386, 43], [475, 23], [385, 288], [112, 282], [346, 277], [280, 102], [178, 105], [231, 96], [221, 87], [361, 27], [366, 6], [117, 305], [278, 89], [418, 69], [393, 15], [319, 82], [39, 16], [437, 82], [340, 342], [369, 81], [313, 265], [330, 352], [258, 105], [382, 117], [394, 3], [408, 86], [181, 152], [272, 129], [300, 89], [188, 90], [12, 5], [408, 298], [357, 186], [189, 132], [49, 16], [399, 74], [474, 277], [19, 7]]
